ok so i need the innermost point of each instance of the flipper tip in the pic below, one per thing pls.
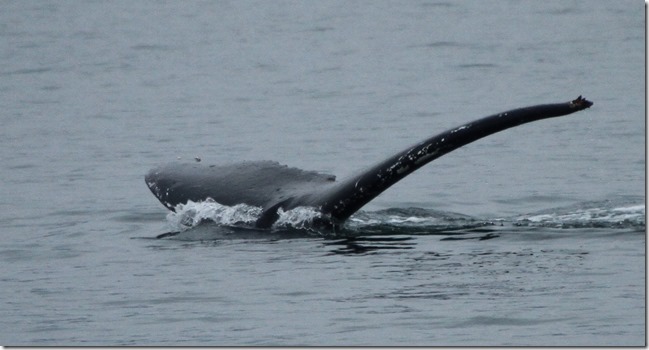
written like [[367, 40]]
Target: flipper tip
[[580, 103]]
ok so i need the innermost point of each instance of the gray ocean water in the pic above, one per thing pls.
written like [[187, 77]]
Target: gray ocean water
[[533, 236]]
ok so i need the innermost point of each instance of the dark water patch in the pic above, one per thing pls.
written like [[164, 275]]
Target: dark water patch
[[28, 71], [329, 69], [476, 65], [50, 87], [145, 303], [295, 294], [369, 245], [137, 217], [562, 11], [437, 4], [16, 255], [535, 199], [23, 166], [490, 321], [439, 45], [210, 231], [480, 238], [320, 29], [151, 47]]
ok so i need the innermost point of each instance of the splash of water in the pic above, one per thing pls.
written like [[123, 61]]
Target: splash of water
[[301, 218], [603, 214], [193, 214], [595, 215]]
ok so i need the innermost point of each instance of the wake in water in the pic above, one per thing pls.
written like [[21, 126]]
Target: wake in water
[[402, 221], [589, 215]]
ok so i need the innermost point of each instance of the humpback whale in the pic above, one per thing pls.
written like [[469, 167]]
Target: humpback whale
[[273, 186]]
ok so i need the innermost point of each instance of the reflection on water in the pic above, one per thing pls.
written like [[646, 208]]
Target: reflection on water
[[366, 245]]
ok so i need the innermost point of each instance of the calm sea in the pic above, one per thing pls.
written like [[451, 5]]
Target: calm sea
[[533, 236]]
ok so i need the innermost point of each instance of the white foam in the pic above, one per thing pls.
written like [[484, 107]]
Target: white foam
[[297, 218], [590, 216], [394, 219], [193, 213]]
